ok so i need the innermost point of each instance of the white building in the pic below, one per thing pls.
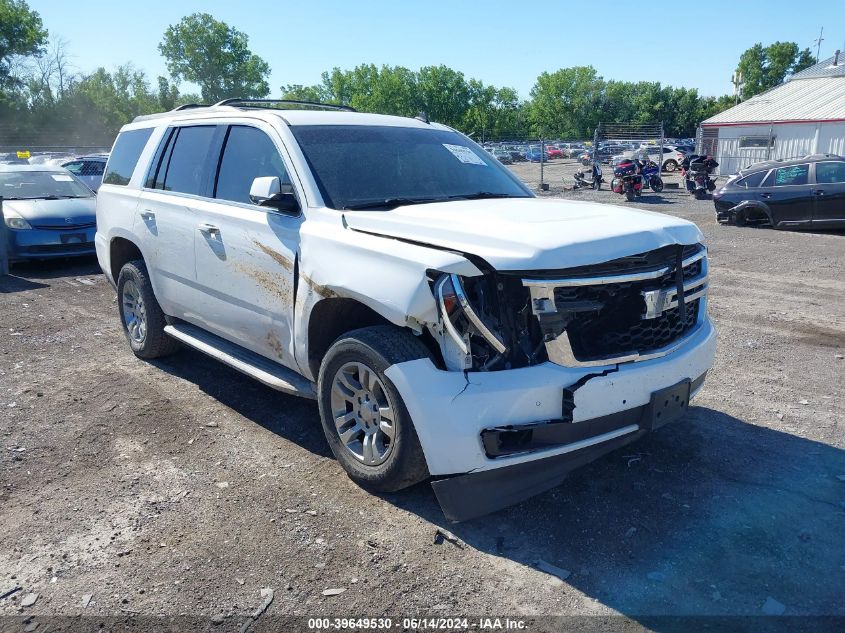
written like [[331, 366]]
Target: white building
[[804, 115]]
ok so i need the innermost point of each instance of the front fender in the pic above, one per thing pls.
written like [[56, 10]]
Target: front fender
[[387, 275]]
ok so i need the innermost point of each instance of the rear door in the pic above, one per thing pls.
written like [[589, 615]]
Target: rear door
[[829, 193], [245, 253], [167, 217], [788, 193]]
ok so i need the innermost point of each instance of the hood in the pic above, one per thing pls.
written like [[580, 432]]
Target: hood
[[67, 212], [530, 233]]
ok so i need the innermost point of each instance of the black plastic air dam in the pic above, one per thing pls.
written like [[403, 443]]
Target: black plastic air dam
[[467, 496]]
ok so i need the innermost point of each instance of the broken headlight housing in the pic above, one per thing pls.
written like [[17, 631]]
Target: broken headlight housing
[[468, 327]]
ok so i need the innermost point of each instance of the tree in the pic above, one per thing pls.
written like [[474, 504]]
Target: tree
[[443, 94], [21, 33], [763, 68], [567, 102], [215, 56]]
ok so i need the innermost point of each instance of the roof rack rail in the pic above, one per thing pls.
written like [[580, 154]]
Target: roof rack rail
[[235, 101], [190, 106]]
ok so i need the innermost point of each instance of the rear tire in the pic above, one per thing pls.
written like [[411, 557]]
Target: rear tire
[[700, 194], [670, 165], [630, 195], [364, 418], [141, 315]]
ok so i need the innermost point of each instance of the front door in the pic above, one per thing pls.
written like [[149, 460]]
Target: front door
[[829, 193], [245, 253], [788, 193]]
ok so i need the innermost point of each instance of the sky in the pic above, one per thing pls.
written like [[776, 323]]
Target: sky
[[500, 43]]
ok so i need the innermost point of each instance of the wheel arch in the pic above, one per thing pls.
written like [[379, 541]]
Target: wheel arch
[[121, 251], [752, 206], [333, 317]]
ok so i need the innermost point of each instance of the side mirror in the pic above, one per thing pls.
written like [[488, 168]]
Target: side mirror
[[267, 191]]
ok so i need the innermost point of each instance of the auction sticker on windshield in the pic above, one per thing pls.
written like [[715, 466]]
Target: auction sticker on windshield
[[464, 154], [62, 178]]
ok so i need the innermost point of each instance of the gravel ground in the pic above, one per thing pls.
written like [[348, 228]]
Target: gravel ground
[[181, 487]]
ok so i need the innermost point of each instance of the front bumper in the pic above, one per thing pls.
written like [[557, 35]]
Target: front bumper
[[50, 243], [453, 412]]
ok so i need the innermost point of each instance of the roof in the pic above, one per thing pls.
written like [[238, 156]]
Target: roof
[[289, 116], [798, 100], [825, 68]]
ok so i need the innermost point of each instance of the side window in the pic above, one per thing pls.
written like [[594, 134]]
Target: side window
[[187, 168], [792, 175], [75, 167], [124, 156], [752, 181], [830, 172], [247, 154], [91, 168]]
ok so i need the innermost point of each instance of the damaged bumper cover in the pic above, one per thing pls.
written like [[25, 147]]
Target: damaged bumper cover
[[492, 439]]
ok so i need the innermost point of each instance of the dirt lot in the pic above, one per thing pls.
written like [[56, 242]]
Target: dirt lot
[[181, 487]]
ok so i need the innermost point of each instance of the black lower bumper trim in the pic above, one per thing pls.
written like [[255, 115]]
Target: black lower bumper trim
[[467, 496]]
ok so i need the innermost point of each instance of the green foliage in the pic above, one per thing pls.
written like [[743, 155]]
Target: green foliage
[[763, 68], [215, 56], [21, 33]]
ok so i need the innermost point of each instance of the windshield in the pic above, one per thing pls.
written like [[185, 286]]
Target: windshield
[[359, 166], [29, 185]]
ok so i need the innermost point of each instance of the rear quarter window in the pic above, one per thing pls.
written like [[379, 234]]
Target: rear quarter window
[[124, 156], [752, 181]]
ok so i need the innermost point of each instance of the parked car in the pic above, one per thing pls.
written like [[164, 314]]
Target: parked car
[[672, 158], [534, 155], [806, 192], [553, 152], [48, 212], [502, 156], [447, 322], [89, 169]]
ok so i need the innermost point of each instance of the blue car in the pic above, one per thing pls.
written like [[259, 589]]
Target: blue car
[[47, 211], [534, 155]]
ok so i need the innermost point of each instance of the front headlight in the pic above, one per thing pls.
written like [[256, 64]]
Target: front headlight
[[469, 341], [14, 221]]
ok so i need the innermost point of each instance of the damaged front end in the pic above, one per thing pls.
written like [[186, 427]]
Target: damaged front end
[[553, 372], [630, 309]]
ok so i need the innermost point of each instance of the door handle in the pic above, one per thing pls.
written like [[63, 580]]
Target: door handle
[[148, 215], [210, 230], [766, 195], [818, 192]]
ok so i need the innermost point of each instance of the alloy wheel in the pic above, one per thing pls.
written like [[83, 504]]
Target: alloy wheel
[[364, 416]]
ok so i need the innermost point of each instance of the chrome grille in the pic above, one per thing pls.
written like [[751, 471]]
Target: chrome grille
[[596, 317]]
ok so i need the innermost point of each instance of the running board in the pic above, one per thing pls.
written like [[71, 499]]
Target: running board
[[254, 365]]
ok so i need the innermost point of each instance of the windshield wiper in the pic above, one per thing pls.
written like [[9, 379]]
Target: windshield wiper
[[398, 202], [389, 203], [481, 195]]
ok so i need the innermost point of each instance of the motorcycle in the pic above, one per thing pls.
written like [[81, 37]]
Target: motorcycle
[[626, 180], [696, 172], [650, 172], [595, 180]]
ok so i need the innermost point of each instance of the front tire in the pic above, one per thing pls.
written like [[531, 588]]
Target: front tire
[[656, 184], [364, 418], [141, 315]]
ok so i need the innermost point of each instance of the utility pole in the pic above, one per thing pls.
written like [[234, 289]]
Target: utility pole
[[819, 44]]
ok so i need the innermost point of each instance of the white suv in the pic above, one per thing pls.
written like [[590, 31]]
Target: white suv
[[449, 324]]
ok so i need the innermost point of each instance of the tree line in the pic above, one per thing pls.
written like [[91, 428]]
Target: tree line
[[44, 101]]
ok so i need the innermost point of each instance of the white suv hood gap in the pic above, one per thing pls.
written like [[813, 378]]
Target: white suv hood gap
[[530, 233]]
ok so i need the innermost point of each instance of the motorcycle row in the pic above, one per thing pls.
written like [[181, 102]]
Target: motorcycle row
[[632, 175]]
